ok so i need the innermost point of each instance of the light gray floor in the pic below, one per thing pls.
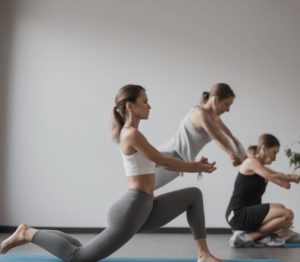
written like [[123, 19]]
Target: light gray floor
[[178, 246]]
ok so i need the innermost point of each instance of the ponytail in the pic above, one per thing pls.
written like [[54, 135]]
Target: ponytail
[[117, 123], [128, 93], [252, 150], [204, 98]]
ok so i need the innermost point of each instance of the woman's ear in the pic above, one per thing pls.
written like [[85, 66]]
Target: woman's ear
[[215, 100], [263, 149], [129, 106]]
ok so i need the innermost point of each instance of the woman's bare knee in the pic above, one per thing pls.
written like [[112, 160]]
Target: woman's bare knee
[[277, 206], [289, 215]]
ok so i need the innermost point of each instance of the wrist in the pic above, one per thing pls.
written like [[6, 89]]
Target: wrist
[[196, 166], [231, 154]]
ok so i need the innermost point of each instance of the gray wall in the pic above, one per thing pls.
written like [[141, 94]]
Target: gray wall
[[70, 58]]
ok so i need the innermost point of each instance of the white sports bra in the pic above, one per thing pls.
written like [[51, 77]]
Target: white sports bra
[[137, 164]]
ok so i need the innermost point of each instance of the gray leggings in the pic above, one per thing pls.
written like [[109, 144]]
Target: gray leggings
[[163, 176], [134, 212]]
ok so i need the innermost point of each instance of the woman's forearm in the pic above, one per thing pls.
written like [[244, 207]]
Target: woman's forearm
[[181, 169], [223, 142], [281, 176], [281, 182], [173, 164]]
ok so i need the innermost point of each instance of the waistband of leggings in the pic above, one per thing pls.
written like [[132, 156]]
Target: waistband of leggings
[[138, 194]]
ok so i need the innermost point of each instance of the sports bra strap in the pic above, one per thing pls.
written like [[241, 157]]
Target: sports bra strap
[[124, 129]]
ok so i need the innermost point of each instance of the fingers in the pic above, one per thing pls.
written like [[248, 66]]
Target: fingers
[[235, 162], [213, 163], [206, 166], [203, 159], [211, 170]]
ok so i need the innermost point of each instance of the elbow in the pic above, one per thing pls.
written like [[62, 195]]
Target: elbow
[[287, 185]]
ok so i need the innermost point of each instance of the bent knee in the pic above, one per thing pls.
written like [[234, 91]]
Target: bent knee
[[289, 215], [277, 206], [195, 191]]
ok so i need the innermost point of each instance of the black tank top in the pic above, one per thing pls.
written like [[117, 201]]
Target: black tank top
[[248, 191]]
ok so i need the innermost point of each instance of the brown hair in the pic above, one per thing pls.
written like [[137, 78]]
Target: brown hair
[[128, 93], [221, 90], [266, 140]]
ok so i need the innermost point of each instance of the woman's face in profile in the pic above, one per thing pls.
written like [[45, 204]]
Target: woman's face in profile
[[223, 105], [141, 107], [270, 154]]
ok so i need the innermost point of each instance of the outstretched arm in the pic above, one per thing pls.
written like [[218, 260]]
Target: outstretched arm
[[271, 175], [281, 176], [214, 131], [225, 129], [137, 141], [202, 160]]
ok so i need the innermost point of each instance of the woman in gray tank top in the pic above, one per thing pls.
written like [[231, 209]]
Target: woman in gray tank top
[[201, 125]]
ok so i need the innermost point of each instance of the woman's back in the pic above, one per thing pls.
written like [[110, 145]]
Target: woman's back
[[188, 141], [248, 190]]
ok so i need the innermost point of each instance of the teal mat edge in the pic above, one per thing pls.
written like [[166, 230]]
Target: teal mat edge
[[49, 258], [292, 244]]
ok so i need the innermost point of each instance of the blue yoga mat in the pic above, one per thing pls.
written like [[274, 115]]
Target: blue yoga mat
[[292, 244], [47, 258]]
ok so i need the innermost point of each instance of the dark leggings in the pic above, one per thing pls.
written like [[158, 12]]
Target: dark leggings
[[135, 212]]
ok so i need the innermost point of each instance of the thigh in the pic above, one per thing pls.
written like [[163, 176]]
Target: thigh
[[249, 218], [168, 206], [276, 210], [125, 217]]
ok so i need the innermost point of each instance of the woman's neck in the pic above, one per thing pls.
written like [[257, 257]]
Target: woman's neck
[[132, 123], [260, 157], [208, 108]]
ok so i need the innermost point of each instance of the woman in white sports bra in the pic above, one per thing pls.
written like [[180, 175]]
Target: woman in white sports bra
[[137, 210]]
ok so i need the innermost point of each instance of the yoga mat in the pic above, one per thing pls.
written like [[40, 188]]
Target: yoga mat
[[47, 258], [292, 244]]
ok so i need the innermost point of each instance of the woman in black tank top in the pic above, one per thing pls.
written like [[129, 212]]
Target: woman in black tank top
[[251, 219]]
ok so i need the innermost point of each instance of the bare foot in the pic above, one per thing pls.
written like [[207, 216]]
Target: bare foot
[[16, 239], [209, 258]]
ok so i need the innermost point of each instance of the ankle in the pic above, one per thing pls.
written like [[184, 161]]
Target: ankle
[[24, 230], [255, 235], [284, 233], [203, 254]]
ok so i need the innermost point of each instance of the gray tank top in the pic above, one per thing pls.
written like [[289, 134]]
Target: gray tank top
[[188, 141]]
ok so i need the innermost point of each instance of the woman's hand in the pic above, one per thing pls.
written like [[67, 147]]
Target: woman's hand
[[205, 166], [235, 160], [294, 178]]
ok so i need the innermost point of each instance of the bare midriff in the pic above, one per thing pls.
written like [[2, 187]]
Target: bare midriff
[[144, 183]]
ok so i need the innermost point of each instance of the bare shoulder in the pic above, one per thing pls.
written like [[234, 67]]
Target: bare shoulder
[[246, 167], [199, 112], [132, 134], [197, 117], [250, 161]]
